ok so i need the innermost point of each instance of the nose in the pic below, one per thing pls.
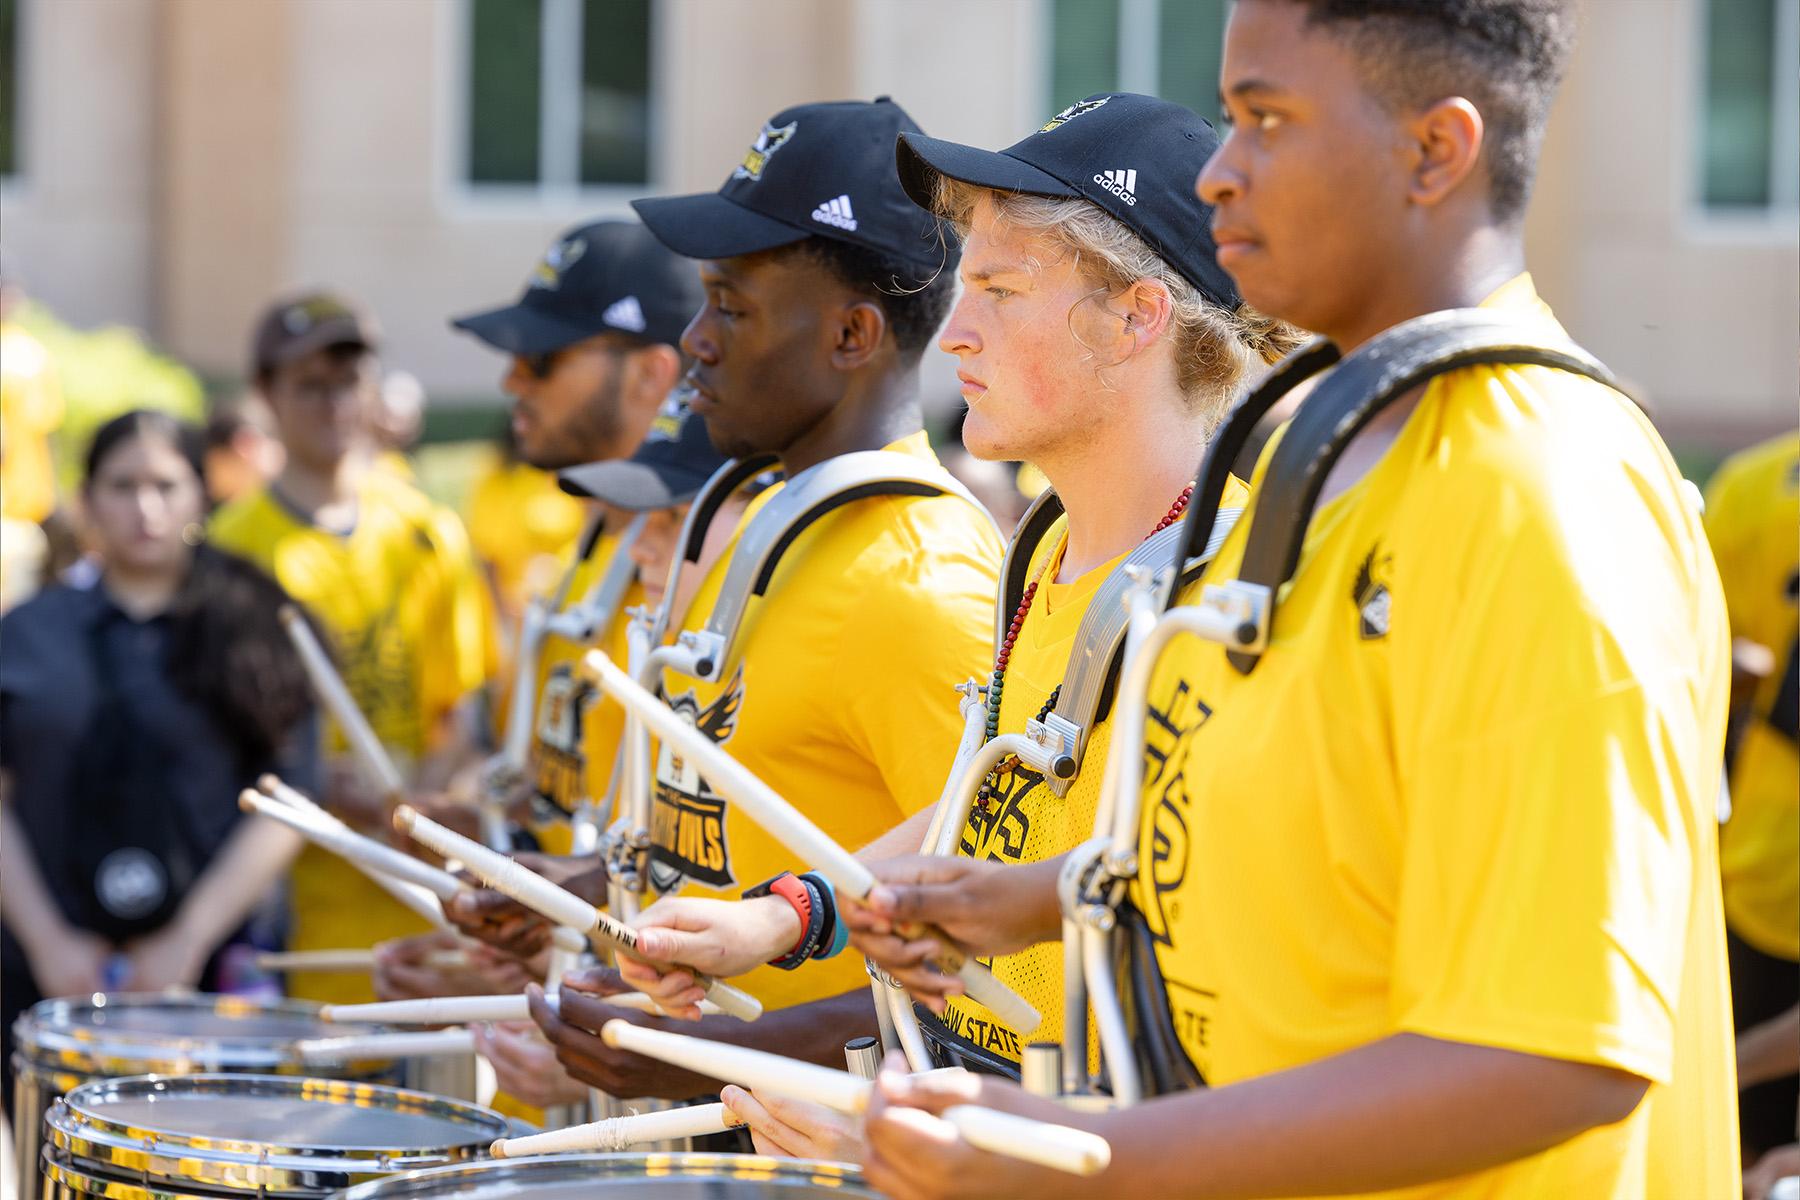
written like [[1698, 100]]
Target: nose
[[959, 336], [1220, 179], [697, 342], [518, 378]]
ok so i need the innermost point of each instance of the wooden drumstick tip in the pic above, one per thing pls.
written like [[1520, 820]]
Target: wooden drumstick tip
[[405, 815], [247, 799]]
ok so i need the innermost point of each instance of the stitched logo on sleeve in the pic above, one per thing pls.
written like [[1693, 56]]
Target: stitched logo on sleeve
[[1374, 604], [687, 828]]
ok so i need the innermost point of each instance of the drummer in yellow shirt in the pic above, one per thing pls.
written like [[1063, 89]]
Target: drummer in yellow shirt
[[1433, 890], [1031, 345], [808, 347], [1752, 511], [384, 571]]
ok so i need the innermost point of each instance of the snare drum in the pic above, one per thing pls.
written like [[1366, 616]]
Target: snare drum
[[624, 1177], [62, 1044], [213, 1136]]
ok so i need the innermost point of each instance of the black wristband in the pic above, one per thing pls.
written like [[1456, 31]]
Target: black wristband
[[815, 927]]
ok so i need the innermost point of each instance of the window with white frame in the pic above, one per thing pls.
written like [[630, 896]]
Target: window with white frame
[[1750, 119], [1167, 48], [9, 88], [557, 92]]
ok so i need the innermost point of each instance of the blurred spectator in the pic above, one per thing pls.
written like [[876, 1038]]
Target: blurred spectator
[[242, 450], [31, 409], [131, 715], [389, 576], [1752, 514]]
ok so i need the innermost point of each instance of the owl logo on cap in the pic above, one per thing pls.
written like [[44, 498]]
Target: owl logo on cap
[[556, 262], [767, 143], [1070, 113]]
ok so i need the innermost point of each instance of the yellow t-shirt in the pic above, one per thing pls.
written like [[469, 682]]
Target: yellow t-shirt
[[523, 526], [31, 409], [1469, 792], [1752, 515], [400, 601], [575, 735], [1029, 823], [840, 699]]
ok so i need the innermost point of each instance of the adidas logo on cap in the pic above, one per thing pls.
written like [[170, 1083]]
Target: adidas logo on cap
[[836, 212], [1121, 183], [625, 314]]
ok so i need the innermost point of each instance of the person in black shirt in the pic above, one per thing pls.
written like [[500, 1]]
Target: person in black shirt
[[132, 713]]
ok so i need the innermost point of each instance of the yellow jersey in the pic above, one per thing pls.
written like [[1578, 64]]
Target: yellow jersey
[[1028, 822], [575, 733], [841, 697], [1752, 518], [1469, 791], [523, 526], [400, 601], [31, 409]]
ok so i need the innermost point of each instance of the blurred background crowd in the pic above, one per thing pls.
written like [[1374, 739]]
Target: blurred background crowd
[[199, 196]]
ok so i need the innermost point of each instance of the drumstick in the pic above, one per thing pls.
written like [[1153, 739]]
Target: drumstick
[[386, 1045], [375, 859], [617, 1133], [1059, 1147], [515, 879], [331, 834], [796, 831], [460, 1010], [346, 961], [336, 698]]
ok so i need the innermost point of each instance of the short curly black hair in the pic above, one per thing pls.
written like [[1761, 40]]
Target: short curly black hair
[[1505, 56], [915, 299]]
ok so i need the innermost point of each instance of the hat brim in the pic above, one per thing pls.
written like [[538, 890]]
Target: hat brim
[[634, 486], [707, 225], [922, 159], [518, 329]]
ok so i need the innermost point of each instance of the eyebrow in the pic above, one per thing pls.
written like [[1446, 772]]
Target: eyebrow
[[1245, 87], [1002, 268]]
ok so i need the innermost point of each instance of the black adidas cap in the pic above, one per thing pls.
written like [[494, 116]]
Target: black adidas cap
[[824, 170], [1135, 156], [610, 276], [670, 468]]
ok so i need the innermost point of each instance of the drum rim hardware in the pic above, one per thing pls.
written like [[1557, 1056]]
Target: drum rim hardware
[[82, 1139]]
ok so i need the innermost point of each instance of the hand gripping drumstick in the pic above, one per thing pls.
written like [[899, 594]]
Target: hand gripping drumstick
[[617, 1133], [458, 1010], [1059, 1147], [380, 862], [341, 705], [514, 879], [796, 831]]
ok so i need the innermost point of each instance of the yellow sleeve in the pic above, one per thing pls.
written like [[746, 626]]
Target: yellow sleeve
[[1558, 712], [457, 648], [916, 636], [1730, 518]]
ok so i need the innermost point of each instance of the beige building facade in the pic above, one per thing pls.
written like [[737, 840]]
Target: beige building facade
[[178, 162]]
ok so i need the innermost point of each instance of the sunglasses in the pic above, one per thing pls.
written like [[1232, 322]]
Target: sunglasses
[[543, 365]]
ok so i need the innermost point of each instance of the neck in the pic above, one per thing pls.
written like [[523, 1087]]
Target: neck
[[1158, 452], [142, 594], [312, 489], [874, 412], [1458, 275]]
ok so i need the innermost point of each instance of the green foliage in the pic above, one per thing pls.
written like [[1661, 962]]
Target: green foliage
[[103, 372]]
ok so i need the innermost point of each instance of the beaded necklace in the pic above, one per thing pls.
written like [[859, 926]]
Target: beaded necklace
[[997, 682]]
